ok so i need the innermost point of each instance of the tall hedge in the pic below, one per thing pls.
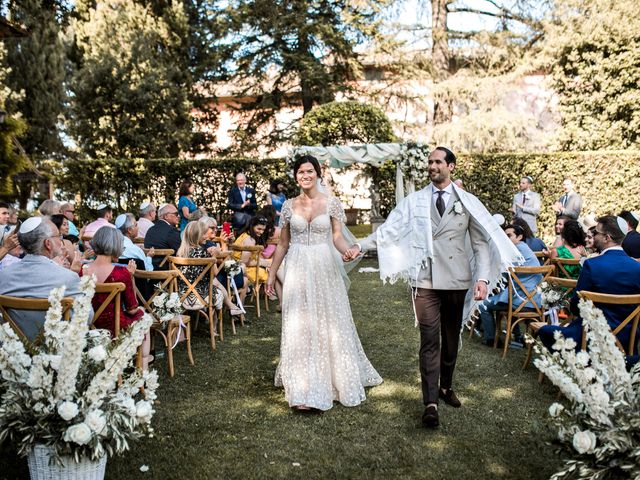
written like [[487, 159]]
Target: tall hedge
[[608, 180]]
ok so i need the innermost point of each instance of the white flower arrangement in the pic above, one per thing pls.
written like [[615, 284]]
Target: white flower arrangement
[[166, 306], [64, 392], [553, 296], [598, 428], [414, 161], [232, 267]]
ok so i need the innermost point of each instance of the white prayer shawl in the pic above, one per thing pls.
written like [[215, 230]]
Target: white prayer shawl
[[405, 242]]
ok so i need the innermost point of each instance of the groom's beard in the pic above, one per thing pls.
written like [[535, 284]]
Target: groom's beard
[[437, 177]]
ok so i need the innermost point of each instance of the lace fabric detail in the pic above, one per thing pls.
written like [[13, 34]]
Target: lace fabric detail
[[335, 210], [286, 212]]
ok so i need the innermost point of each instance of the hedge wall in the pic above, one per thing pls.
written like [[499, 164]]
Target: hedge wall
[[609, 181]]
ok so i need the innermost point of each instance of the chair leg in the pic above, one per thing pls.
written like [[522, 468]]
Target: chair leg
[[527, 360], [188, 335], [218, 314], [233, 324], [497, 321], [171, 332], [211, 329], [257, 293], [507, 338]]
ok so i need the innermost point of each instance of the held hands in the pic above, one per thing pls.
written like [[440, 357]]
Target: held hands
[[480, 290], [351, 253], [131, 266]]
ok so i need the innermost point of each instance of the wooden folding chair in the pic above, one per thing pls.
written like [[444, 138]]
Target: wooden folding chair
[[561, 264], [522, 313], [166, 280], [254, 263], [8, 303], [207, 274], [542, 258], [633, 318], [567, 283], [139, 241], [163, 253], [220, 259]]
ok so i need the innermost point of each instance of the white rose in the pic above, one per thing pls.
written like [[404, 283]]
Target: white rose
[[144, 410], [80, 434], [589, 373], [570, 344], [584, 442], [159, 300], [228, 263], [130, 406], [583, 359], [457, 208], [598, 394], [555, 409], [96, 420], [97, 354], [67, 410]]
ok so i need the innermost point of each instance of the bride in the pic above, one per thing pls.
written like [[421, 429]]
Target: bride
[[321, 358]]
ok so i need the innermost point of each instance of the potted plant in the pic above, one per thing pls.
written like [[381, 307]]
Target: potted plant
[[72, 399]]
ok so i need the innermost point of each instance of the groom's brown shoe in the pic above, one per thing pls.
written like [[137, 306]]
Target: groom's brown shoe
[[430, 417], [450, 398]]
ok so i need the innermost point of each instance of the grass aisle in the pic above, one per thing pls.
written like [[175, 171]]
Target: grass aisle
[[223, 418]]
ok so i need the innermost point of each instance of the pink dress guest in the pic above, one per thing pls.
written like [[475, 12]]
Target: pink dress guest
[[106, 320], [144, 224], [91, 229]]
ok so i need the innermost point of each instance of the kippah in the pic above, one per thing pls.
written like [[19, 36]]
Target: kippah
[[30, 224], [622, 225], [120, 219], [102, 206], [145, 205], [636, 216]]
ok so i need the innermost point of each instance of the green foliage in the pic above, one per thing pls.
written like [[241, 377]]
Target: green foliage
[[594, 48], [345, 122], [126, 183], [338, 123], [38, 67], [279, 53], [12, 160], [130, 89]]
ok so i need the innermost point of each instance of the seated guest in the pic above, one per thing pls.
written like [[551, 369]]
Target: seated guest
[[37, 273], [500, 301], [214, 248], [104, 217], [195, 235], [49, 207], [128, 226], [631, 242], [254, 234], [72, 253], [68, 209], [533, 242], [164, 233], [10, 250], [611, 272], [146, 219], [573, 246], [242, 200], [272, 233], [559, 225]]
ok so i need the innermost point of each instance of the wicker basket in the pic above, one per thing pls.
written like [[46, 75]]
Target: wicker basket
[[41, 468]]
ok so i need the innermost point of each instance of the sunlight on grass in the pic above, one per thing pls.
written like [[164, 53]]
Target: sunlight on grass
[[502, 393], [394, 389]]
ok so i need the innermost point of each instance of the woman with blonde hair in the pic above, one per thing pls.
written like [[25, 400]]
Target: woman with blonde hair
[[193, 239]]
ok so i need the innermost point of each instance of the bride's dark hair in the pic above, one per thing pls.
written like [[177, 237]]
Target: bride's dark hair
[[307, 159]]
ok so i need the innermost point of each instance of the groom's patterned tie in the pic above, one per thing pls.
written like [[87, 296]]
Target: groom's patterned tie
[[440, 203]]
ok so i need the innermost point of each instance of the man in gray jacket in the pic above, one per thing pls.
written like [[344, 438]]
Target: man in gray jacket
[[37, 274], [570, 203], [526, 204]]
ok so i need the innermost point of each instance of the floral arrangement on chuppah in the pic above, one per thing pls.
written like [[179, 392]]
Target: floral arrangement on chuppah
[[414, 161], [599, 426], [73, 391]]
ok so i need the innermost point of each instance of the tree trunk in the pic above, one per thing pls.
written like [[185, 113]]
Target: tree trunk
[[440, 57]]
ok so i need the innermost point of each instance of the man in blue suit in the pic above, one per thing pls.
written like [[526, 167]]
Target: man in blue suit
[[242, 200], [612, 272], [500, 301]]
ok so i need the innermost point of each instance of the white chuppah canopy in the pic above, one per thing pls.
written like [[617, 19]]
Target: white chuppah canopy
[[373, 154]]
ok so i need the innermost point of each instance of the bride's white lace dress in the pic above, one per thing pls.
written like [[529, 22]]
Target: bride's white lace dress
[[321, 357]]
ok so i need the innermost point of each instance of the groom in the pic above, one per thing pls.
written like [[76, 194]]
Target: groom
[[440, 240]]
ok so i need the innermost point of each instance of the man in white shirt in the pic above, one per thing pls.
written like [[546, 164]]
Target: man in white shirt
[[146, 219], [128, 225]]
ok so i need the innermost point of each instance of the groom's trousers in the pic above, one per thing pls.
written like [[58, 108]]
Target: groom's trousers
[[439, 313]]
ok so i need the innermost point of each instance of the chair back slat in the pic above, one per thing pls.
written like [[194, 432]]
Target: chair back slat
[[114, 293], [544, 271], [167, 281], [163, 253], [561, 264], [633, 318], [209, 267], [8, 302]]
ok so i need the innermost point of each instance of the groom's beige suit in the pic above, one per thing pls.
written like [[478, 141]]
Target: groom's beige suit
[[441, 287]]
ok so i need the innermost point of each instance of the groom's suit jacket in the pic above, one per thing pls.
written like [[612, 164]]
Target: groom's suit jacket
[[455, 236]]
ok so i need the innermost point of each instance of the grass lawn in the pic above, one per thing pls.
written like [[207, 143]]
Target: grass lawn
[[223, 418]]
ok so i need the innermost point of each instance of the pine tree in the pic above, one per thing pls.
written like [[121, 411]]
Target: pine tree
[[130, 90]]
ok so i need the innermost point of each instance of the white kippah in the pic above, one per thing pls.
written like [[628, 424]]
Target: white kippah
[[30, 224], [145, 205], [636, 216], [102, 206], [120, 219], [499, 218], [622, 225]]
